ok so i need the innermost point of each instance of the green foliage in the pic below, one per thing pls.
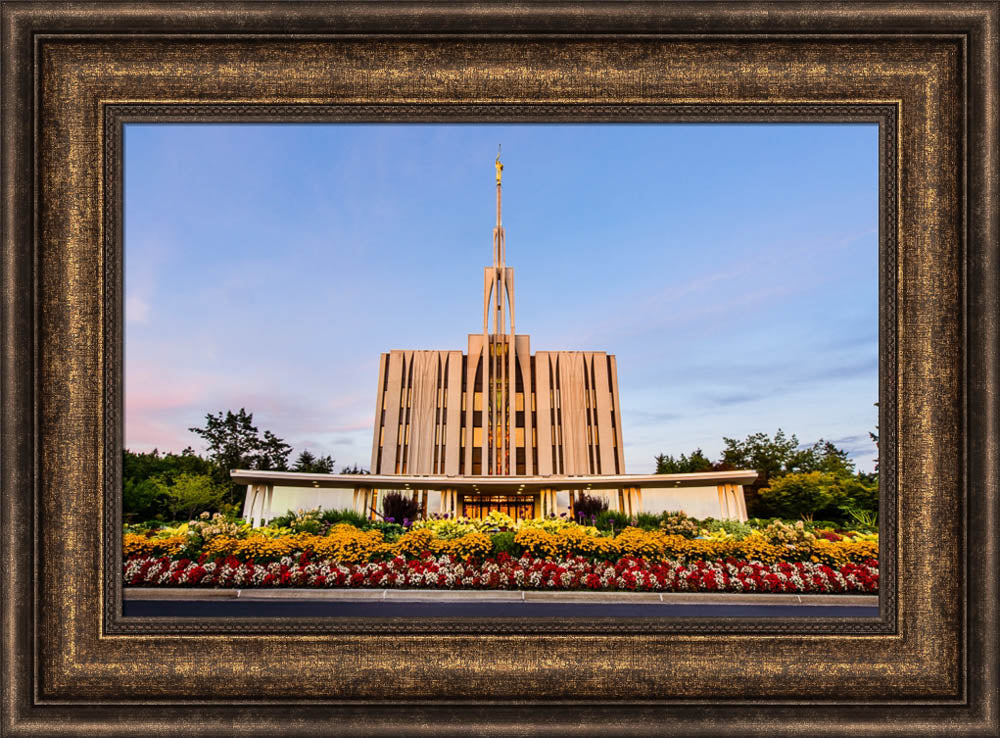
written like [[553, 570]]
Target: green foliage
[[612, 520], [732, 527], [308, 462], [504, 543], [822, 456], [335, 517], [235, 443], [647, 521], [864, 519], [768, 456], [191, 494], [144, 473], [390, 531], [142, 500], [818, 494], [696, 462], [354, 470]]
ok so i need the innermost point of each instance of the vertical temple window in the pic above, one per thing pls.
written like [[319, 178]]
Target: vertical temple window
[[381, 435], [519, 438], [477, 436], [463, 402], [532, 402], [407, 433], [477, 401], [534, 437], [519, 401]]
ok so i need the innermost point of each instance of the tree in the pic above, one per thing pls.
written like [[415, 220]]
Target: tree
[[235, 443], [191, 494], [141, 496], [768, 456], [307, 462], [354, 470], [818, 494], [696, 462], [798, 495], [822, 456], [272, 453]]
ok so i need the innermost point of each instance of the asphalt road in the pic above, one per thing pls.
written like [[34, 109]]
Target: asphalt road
[[354, 609]]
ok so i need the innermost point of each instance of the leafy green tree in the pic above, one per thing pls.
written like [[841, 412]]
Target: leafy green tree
[[308, 462], [822, 456], [798, 495], [768, 456], [191, 494], [272, 453], [142, 500], [141, 497], [696, 462], [354, 470], [818, 494], [235, 443]]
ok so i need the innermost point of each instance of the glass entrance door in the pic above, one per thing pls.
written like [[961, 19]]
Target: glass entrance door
[[518, 507]]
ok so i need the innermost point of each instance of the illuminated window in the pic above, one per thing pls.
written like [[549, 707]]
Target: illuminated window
[[477, 401], [519, 438], [407, 433], [463, 444], [532, 402], [381, 435], [519, 401], [534, 436], [477, 437], [463, 402]]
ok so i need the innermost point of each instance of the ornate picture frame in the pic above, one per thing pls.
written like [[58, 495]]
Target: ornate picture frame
[[74, 75]]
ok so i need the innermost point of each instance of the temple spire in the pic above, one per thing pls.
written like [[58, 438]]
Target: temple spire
[[498, 250]]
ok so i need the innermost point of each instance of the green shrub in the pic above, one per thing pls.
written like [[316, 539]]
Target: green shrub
[[647, 521], [391, 531], [337, 517], [612, 520], [191, 494], [504, 543]]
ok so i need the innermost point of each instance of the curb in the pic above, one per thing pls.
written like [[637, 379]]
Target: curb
[[512, 596]]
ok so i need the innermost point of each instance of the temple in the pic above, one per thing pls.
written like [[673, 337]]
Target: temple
[[498, 428]]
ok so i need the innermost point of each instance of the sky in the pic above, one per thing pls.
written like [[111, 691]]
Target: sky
[[732, 269]]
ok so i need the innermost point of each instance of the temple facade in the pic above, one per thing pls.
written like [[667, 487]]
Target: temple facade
[[498, 428], [497, 409]]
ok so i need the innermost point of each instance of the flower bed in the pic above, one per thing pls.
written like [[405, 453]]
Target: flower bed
[[445, 572]]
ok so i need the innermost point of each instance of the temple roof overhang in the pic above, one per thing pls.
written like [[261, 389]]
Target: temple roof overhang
[[522, 484]]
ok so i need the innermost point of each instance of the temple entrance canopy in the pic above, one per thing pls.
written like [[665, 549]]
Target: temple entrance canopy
[[272, 493]]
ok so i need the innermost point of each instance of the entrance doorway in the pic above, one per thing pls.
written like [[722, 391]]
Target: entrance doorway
[[519, 507]]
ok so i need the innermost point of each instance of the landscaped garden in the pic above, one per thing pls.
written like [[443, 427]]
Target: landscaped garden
[[605, 552]]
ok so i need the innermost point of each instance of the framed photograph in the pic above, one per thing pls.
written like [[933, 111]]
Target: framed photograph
[[79, 80]]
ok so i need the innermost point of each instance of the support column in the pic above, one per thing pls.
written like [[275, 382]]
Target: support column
[[267, 513], [723, 502]]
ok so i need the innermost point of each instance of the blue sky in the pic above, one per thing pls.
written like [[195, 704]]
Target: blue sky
[[732, 269]]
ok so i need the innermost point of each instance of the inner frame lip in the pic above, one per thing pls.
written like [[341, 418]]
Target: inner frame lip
[[117, 114]]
